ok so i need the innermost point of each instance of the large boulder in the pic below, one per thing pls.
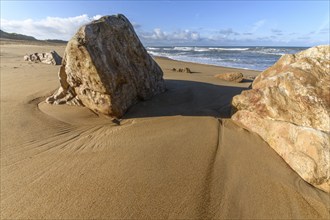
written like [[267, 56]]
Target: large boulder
[[48, 58], [288, 106], [106, 68]]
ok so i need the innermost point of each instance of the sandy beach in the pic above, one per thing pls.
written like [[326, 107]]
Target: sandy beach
[[178, 155]]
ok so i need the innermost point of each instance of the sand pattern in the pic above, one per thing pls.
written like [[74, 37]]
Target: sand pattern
[[175, 156]]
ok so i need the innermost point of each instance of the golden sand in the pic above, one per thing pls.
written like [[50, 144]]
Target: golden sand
[[175, 156]]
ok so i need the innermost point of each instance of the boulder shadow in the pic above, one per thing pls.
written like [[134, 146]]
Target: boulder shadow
[[247, 80], [187, 98]]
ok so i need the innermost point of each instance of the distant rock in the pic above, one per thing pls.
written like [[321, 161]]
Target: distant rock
[[288, 106], [182, 70], [107, 69], [231, 77], [187, 70], [49, 58]]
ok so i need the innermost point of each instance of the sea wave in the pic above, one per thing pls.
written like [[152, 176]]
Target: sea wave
[[160, 54], [201, 49], [256, 58], [153, 48], [276, 51], [205, 49], [184, 48], [228, 49], [270, 51]]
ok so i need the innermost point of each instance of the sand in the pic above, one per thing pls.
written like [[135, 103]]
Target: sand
[[176, 156]]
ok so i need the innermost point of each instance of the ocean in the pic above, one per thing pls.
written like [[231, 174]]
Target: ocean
[[254, 58]]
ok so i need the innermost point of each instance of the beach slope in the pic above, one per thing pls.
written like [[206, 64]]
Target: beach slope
[[177, 155]]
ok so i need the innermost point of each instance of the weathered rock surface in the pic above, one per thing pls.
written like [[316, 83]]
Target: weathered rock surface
[[289, 106], [232, 77], [306, 150], [107, 69], [49, 58]]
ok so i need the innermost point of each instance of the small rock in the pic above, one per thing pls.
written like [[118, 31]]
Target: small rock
[[49, 58], [231, 77], [187, 70], [182, 70]]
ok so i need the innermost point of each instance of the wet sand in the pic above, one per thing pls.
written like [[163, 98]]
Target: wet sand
[[177, 155]]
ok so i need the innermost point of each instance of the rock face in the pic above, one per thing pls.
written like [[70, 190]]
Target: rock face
[[231, 77], [49, 58], [107, 69], [289, 106]]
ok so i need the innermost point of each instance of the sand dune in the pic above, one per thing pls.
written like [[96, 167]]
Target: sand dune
[[175, 156]]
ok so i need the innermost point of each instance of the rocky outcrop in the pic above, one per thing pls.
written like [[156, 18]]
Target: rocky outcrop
[[49, 58], [289, 106], [182, 70], [107, 69], [231, 77]]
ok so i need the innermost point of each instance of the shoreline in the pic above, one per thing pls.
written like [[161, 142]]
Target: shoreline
[[206, 64], [248, 57], [228, 67], [208, 70]]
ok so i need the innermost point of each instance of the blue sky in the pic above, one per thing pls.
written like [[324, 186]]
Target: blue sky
[[223, 23]]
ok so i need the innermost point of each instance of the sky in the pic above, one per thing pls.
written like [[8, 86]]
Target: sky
[[176, 23]]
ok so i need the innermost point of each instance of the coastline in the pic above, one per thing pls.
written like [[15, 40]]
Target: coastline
[[177, 155], [256, 58], [207, 69]]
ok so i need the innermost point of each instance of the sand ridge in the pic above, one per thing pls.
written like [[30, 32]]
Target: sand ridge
[[175, 156]]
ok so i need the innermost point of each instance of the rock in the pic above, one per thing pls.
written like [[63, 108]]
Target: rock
[[49, 58], [231, 77], [250, 77], [106, 68], [182, 70], [299, 83], [288, 106], [187, 70], [306, 150]]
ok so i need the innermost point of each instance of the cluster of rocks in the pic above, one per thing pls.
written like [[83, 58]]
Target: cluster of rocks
[[231, 77], [289, 106], [48, 58], [106, 68], [182, 70]]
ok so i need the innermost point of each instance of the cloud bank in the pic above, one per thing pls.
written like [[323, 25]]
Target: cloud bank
[[159, 35], [257, 33], [48, 28]]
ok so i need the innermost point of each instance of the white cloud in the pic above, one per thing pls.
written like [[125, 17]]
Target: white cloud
[[180, 35], [48, 28], [65, 28], [159, 34], [223, 34], [96, 17], [185, 35]]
